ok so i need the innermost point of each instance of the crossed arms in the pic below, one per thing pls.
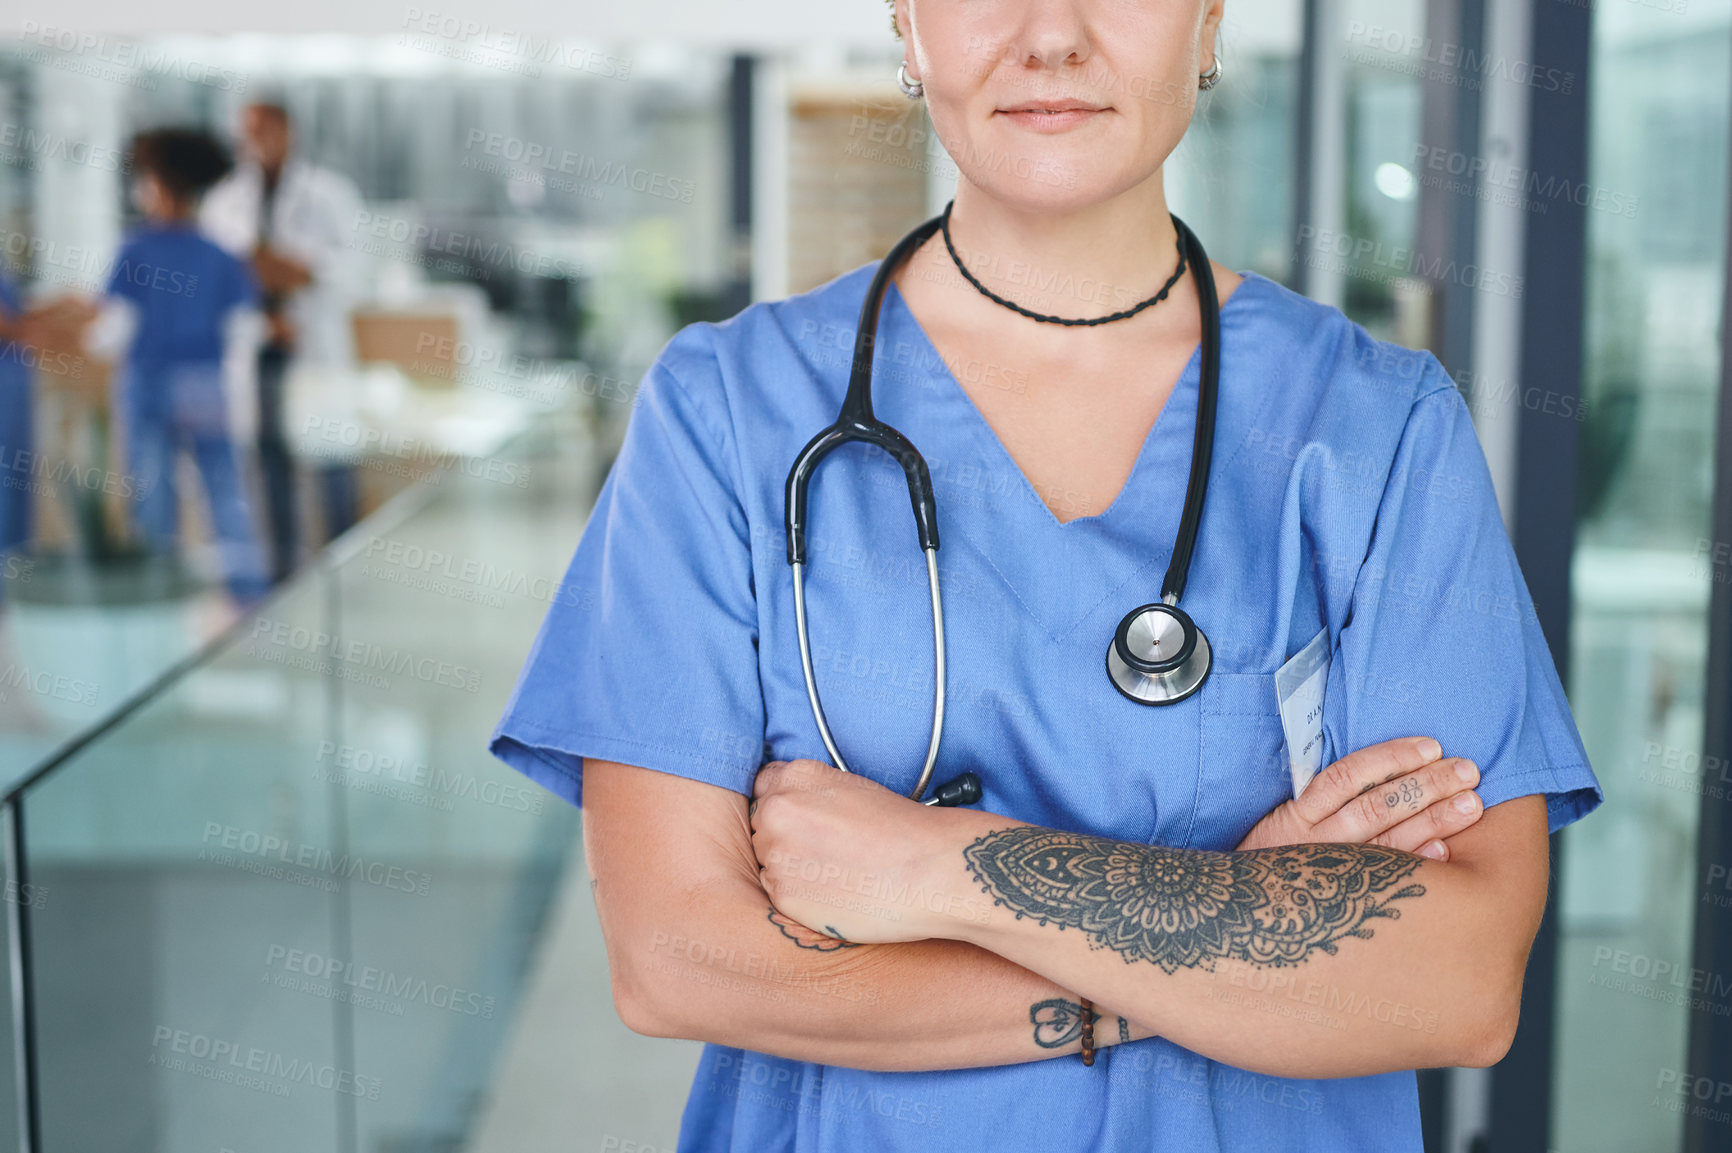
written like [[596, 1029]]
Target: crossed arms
[[830, 920]]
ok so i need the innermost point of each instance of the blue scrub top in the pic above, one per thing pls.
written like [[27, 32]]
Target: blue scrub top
[[1347, 492], [184, 287], [14, 367]]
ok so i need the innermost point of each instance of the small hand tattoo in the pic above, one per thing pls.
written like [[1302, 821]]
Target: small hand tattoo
[[1124, 1029], [1409, 792], [809, 938], [1058, 1022]]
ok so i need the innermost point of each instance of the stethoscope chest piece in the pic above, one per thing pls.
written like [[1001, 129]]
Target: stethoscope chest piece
[[1158, 656]]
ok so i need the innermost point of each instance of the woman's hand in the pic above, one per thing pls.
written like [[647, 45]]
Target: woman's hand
[[1399, 794], [843, 855]]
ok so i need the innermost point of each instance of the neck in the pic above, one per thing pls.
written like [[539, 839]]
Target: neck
[[1086, 263]]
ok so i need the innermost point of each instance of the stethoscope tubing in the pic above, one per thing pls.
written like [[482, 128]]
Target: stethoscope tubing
[[857, 423], [938, 669]]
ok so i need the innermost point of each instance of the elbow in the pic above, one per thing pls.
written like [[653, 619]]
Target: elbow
[[641, 1004], [1488, 1034]]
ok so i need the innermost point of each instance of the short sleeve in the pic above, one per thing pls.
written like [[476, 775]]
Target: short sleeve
[[1441, 638], [649, 655], [124, 280], [243, 286]]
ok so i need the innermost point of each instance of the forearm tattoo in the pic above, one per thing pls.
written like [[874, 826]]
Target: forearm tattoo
[[809, 938], [1183, 908]]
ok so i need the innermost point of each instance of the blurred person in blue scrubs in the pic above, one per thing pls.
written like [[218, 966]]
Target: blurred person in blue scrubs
[[175, 302], [17, 439], [31, 338], [1261, 958], [293, 221]]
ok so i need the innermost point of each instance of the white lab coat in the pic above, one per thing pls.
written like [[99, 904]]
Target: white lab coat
[[313, 222]]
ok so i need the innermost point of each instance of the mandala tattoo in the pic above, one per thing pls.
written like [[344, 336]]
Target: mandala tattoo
[[1182, 908]]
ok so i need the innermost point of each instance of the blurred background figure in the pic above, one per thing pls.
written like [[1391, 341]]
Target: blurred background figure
[[175, 301], [31, 338], [16, 414], [291, 219]]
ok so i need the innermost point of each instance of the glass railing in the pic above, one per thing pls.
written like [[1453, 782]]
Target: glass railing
[[286, 901]]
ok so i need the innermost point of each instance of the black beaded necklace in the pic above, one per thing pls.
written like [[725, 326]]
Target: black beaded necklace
[[1017, 308]]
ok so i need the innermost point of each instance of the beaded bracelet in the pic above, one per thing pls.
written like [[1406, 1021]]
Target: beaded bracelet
[[1088, 1032]]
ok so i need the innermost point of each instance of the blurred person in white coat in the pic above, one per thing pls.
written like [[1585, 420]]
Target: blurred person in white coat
[[294, 221]]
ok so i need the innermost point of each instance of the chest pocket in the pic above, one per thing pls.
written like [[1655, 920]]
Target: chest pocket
[[1242, 759]]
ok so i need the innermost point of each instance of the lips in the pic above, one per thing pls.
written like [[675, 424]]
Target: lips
[[1053, 107], [1049, 116]]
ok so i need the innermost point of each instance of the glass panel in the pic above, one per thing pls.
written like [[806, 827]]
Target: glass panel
[[1629, 889], [469, 855], [182, 853], [15, 897], [1386, 54], [296, 905], [1231, 178]]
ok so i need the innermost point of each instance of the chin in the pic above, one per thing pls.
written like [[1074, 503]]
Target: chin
[[1031, 183], [1051, 174]]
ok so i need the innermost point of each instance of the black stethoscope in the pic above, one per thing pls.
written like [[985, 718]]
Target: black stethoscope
[[1158, 655]]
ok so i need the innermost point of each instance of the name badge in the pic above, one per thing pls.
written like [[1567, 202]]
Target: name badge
[[1299, 688]]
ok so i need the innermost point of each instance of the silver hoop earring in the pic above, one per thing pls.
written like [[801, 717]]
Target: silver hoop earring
[[1212, 77], [911, 89]]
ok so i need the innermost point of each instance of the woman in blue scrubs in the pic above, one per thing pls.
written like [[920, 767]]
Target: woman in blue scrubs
[[177, 296], [1246, 968]]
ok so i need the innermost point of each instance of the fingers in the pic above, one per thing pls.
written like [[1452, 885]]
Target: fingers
[[1390, 804], [1357, 772], [1428, 834], [765, 782]]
